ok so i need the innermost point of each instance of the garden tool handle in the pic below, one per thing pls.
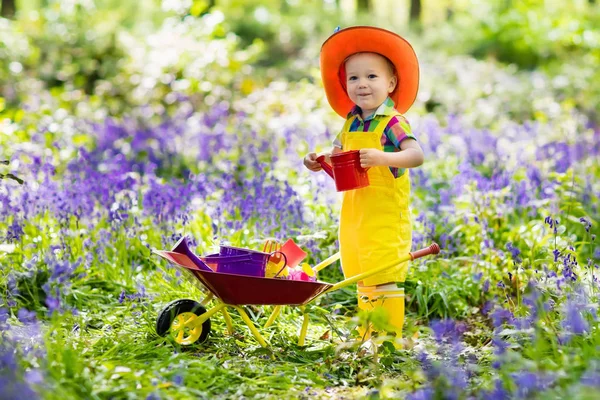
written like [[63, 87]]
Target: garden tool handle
[[433, 249], [284, 264], [327, 262]]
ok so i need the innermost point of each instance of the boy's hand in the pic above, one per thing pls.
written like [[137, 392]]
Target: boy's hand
[[310, 162], [371, 158]]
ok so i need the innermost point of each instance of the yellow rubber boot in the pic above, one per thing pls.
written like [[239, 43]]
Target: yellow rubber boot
[[364, 297], [391, 299], [394, 305]]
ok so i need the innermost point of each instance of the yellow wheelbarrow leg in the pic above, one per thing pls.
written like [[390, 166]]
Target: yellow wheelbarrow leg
[[273, 317], [251, 326], [304, 327], [207, 299], [228, 321]]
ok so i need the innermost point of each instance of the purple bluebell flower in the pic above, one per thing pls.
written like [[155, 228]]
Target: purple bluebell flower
[[178, 380], [13, 389], [498, 393], [526, 383], [500, 345], [574, 321], [4, 315], [53, 303], [515, 252], [487, 306], [567, 271], [447, 330], [11, 283], [431, 371], [553, 223], [26, 316], [591, 378], [34, 377], [556, 253], [486, 286], [501, 316], [426, 393], [15, 231], [586, 223]]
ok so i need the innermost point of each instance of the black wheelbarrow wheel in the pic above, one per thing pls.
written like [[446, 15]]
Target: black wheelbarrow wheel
[[174, 318]]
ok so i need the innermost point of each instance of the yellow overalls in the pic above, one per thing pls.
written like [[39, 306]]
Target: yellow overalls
[[375, 228]]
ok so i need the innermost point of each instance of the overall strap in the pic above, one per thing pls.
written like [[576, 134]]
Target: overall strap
[[348, 123]]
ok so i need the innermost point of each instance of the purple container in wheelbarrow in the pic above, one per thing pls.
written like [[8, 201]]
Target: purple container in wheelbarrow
[[240, 265], [236, 260]]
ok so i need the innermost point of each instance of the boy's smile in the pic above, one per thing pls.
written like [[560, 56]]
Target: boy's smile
[[369, 80]]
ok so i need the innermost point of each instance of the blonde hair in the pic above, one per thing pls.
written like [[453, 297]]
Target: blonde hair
[[390, 65]]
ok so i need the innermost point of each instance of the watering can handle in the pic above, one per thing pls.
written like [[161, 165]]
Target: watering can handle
[[284, 264], [326, 167]]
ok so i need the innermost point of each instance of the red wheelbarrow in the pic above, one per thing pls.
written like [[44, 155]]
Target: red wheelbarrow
[[189, 321]]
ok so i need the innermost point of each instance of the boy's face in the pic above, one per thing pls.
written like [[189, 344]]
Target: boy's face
[[369, 80]]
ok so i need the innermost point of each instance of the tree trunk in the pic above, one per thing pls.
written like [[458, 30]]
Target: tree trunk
[[449, 13], [415, 11], [363, 5], [9, 8]]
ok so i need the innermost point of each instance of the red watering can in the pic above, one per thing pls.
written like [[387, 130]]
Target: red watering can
[[345, 170]]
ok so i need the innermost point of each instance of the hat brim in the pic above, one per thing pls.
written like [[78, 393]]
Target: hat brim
[[357, 39]]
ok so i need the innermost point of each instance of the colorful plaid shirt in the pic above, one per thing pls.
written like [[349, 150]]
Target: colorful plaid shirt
[[395, 132]]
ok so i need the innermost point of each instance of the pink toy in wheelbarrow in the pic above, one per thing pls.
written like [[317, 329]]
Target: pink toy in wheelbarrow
[[189, 321], [291, 257]]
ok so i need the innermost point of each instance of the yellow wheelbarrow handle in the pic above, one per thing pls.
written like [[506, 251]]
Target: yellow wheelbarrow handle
[[433, 249]]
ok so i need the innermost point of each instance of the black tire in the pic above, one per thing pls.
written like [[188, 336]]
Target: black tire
[[173, 309]]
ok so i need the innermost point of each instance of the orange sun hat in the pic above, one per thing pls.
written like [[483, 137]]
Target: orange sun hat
[[360, 39]]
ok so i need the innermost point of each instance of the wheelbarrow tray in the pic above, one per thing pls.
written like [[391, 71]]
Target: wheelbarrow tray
[[236, 289]]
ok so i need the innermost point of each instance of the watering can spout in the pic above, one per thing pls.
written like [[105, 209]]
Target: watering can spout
[[326, 167], [183, 247]]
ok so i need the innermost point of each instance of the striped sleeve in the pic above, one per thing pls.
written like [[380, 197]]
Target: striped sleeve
[[397, 130]]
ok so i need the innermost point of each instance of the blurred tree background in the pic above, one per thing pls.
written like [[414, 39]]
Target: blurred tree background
[[527, 33], [100, 49]]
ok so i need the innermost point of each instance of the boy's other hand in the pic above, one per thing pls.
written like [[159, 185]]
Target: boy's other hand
[[310, 162], [371, 158]]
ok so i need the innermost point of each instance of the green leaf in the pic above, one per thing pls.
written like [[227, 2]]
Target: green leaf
[[198, 7]]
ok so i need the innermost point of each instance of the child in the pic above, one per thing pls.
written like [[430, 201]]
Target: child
[[370, 76]]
